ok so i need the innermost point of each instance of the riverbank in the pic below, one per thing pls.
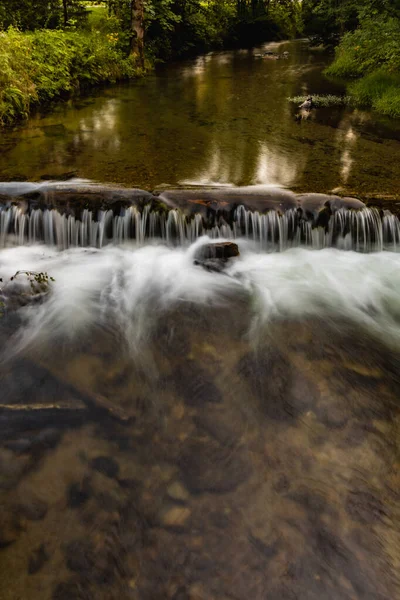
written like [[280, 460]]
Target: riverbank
[[45, 65], [370, 56]]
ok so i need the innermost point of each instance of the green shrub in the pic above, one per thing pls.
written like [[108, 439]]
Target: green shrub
[[389, 102], [367, 90], [371, 54], [46, 64], [375, 44]]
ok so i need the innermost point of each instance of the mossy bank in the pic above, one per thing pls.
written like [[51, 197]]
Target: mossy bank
[[370, 56]]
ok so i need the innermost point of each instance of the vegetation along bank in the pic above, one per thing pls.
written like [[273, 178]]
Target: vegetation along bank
[[60, 47], [64, 46]]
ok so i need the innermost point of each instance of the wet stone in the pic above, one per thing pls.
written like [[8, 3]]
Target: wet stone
[[79, 493], [195, 386], [80, 556], [106, 465], [110, 501], [220, 250], [175, 517], [282, 485], [68, 590], [270, 377], [181, 594], [12, 468], [222, 424], [9, 529], [209, 467], [177, 491], [32, 508], [37, 559]]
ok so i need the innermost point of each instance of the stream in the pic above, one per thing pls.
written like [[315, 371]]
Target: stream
[[181, 425]]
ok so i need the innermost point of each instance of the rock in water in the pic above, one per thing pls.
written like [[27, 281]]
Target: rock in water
[[220, 250], [178, 492], [37, 559], [175, 517]]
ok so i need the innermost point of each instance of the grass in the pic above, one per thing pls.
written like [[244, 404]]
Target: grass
[[47, 64], [323, 101], [370, 56]]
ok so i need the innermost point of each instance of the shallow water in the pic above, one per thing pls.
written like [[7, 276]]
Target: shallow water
[[221, 118], [171, 433]]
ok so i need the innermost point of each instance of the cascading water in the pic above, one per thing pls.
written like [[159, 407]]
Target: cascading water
[[362, 230]]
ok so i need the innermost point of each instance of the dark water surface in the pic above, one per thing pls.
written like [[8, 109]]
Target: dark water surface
[[222, 118]]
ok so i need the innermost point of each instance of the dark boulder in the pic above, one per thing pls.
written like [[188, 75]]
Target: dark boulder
[[218, 250]]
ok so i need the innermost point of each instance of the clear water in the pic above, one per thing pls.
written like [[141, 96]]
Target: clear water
[[222, 118]]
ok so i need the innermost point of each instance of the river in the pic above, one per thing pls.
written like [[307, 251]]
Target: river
[[174, 425], [221, 118]]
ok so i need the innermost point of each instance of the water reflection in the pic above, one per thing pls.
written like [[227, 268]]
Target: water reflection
[[223, 117]]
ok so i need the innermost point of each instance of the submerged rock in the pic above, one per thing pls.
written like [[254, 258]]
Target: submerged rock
[[209, 467], [178, 492], [79, 493], [195, 385], [106, 465], [37, 559], [175, 517], [9, 529], [31, 507]]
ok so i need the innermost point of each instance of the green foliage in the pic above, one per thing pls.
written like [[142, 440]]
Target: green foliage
[[43, 65], [323, 101], [389, 102], [371, 54], [368, 89], [29, 15], [375, 44]]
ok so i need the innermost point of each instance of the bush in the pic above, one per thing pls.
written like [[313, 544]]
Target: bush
[[40, 66], [367, 90], [389, 102], [375, 44], [371, 54]]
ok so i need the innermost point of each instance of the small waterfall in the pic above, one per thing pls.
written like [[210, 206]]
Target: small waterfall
[[362, 230]]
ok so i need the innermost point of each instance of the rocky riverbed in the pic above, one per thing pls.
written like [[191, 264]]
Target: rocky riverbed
[[229, 468]]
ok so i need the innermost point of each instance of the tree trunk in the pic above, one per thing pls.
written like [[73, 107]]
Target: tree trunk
[[65, 11], [137, 30]]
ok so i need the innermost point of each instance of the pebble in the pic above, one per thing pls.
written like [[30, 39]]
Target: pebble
[[37, 559], [175, 517], [12, 468], [32, 508], [8, 528], [177, 491], [209, 467], [106, 465], [79, 493]]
